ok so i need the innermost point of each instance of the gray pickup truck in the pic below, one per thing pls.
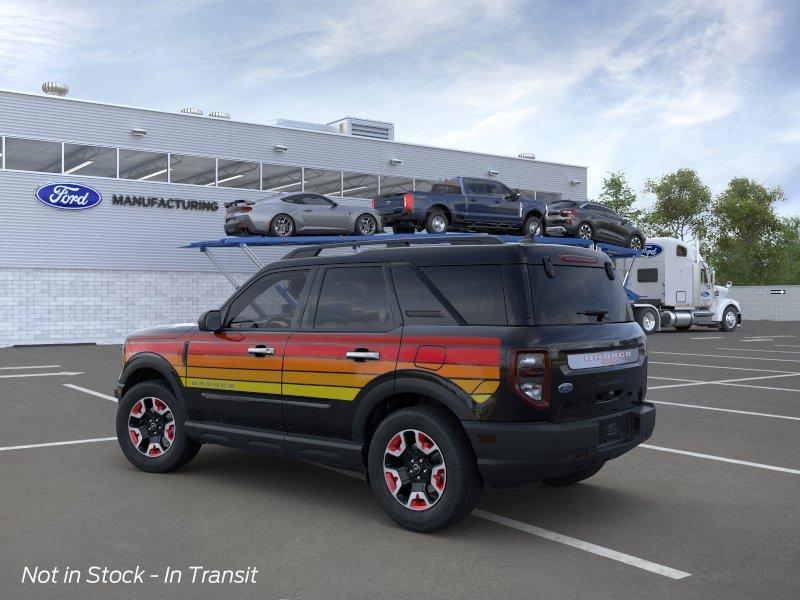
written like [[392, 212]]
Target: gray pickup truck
[[463, 204]]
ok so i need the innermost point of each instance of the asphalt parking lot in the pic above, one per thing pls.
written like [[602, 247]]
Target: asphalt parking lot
[[707, 509]]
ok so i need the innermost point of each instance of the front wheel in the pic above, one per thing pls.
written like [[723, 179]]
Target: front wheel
[[150, 428], [436, 222], [585, 231], [635, 242], [534, 226], [422, 469], [730, 320], [366, 224], [574, 477], [647, 320]]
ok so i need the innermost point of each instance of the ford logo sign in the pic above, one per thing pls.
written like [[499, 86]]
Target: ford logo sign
[[705, 293], [68, 196], [652, 250]]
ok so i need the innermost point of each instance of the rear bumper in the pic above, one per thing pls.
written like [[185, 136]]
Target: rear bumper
[[244, 225], [528, 452]]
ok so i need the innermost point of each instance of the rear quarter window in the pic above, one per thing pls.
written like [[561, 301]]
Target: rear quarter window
[[475, 291], [574, 290]]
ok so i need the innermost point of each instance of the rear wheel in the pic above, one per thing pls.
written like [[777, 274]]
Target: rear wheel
[[574, 477], [436, 222], [585, 231], [422, 469], [282, 225], [150, 428], [635, 242], [534, 226], [730, 320], [366, 224]]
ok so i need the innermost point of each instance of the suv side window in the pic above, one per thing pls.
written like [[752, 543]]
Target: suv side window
[[354, 299], [476, 291], [418, 304], [271, 302]]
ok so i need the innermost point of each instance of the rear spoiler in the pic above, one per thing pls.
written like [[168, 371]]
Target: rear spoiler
[[239, 202]]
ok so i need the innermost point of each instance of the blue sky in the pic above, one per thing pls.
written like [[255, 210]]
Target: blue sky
[[641, 87]]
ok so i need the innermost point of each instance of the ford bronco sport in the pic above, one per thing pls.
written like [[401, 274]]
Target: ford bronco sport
[[431, 369]]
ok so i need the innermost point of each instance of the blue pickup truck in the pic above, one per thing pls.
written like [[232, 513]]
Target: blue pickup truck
[[463, 204]]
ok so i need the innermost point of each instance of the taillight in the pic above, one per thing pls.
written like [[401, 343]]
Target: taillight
[[374, 201], [567, 212], [245, 209], [408, 202], [529, 376]]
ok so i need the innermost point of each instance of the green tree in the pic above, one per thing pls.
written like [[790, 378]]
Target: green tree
[[750, 243], [618, 195], [681, 206]]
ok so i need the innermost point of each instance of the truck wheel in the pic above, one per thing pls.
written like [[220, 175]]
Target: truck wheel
[[585, 231], [150, 428], [647, 320], [436, 222], [422, 469], [534, 226], [282, 225], [574, 477], [729, 320]]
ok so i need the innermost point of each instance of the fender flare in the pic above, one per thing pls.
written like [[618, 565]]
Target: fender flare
[[156, 362], [723, 306], [422, 383]]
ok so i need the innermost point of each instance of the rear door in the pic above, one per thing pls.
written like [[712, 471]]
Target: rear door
[[349, 340], [234, 375]]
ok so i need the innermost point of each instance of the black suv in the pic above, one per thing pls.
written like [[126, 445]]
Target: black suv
[[591, 221], [432, 369]]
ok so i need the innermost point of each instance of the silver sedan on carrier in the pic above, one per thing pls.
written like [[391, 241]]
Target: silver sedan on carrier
[[287, 214]]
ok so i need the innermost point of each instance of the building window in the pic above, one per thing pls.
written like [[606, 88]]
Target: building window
[[320, 181], [359, 185], [97, 161], [194, 170], [280, 178], [396, 185], [237, 174], [143, 166], [33, 155], [423, 185]]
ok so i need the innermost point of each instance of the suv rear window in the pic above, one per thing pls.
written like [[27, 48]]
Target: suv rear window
[[476, 292], [573, 290]]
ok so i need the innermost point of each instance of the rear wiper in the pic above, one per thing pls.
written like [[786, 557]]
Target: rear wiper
[[594, 312]]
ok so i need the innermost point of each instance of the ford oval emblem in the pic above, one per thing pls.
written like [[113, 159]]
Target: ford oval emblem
[[68, 196], [565, 388], [652, 250]]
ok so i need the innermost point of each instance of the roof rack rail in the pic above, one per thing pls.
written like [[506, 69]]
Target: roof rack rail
[[398, 242]]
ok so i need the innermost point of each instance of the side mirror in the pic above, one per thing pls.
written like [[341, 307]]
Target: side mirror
[[210, 320], [729, 285], [334, 204]]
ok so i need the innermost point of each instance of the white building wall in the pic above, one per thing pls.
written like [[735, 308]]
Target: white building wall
[[759, 303]]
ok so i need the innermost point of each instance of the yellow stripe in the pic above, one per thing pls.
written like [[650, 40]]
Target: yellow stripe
[[481, 398], [320, 391], [232, 386], [487, 387]]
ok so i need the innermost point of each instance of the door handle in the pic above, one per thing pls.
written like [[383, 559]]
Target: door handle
[[261, 351], [362, 355], [308, 210]]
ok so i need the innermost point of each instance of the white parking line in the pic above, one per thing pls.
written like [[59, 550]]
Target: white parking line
[[633, 561], [759, 350], [721, 459], [675, 379], [709, 337], [748, 358], [655, 362], [92, 392], [556, 537], [41, 374], [787, 346], [734, 382], [728, 410], [48, 444], [31, 367]]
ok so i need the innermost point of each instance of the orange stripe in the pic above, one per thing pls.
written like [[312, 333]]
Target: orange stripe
[[335, 365], [235, 362], [236, 374]]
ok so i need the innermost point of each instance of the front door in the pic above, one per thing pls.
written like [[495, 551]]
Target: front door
[[479, 202], [324, 215], [348, 343], [234, 376]]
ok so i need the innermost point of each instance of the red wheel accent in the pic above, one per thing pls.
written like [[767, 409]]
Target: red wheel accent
[[437, 479], [391, 481], [425, 443], [418, 502], [138, 409], [159, 406], [395, 443], [136, 437], [169, 432], [151, 427], [154, 450]]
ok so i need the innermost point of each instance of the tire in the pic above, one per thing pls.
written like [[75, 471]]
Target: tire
[[636, 242], [437, 222], [730, 320], [366, 224], [647, 320], [145, 456], [281, 225], [449, 463], [533, 223], [402, 229], [585, 231], [575, 477]]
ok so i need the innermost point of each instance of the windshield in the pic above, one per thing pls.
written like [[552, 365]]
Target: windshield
[[576, 295]]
